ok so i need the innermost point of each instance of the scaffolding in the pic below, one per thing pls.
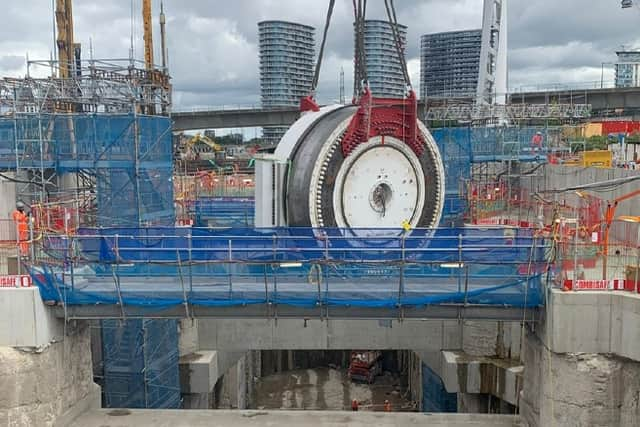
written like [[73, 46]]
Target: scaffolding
[[99, 86], [86, 142], [475, 152]]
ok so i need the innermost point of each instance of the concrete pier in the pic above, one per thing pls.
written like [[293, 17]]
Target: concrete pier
[[45, 367], [582, 365]]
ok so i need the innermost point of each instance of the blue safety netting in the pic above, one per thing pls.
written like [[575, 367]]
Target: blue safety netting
[[130, 157], [140, 364], [164, 267], [435, 397], [460, 147], [222, 211]]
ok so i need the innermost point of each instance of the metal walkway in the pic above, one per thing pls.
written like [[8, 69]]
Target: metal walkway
[[475, 273]]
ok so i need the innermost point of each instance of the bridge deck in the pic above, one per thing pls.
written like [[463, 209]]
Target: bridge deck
[[433, 297]]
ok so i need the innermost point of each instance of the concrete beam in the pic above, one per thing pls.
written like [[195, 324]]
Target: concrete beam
[[274, 311], [334, 334], [199, 418], [462, 373], [201, 370], [314, 334]]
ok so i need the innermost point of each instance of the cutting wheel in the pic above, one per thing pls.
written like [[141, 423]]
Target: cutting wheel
[[382, 183]]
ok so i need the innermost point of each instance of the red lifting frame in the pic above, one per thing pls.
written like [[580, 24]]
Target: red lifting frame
[[384, 117]]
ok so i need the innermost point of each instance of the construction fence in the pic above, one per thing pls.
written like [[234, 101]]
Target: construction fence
[[594, 244]]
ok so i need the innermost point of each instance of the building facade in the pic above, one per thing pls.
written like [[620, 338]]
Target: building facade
[[287, 60], [450, 64], [628, 69], [384, 70]]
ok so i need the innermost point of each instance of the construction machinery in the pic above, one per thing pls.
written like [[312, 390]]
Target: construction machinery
[[201, 147], [371, 164], [365, 366], [68, 51], [148, 34]]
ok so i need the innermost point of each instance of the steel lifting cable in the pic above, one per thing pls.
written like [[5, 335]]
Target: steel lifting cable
[[393, 21], [316, 75]]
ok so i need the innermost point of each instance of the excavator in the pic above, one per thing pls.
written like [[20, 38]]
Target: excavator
[[201, 147]]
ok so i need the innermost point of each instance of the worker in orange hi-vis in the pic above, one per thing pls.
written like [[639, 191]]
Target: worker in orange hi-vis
[[387, 406], [22, 227]]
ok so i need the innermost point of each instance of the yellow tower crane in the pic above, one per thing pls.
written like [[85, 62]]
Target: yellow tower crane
[[66, 47], [148, 34]]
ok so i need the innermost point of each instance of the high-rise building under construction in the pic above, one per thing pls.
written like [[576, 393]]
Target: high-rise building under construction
[[384, 70], [450, 63], [287, 53]]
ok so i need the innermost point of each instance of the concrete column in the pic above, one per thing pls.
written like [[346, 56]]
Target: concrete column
[[472, 403], [578, 389]]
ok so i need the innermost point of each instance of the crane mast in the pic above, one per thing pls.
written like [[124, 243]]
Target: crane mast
[[66, 47], [148, 34], [163, 42]]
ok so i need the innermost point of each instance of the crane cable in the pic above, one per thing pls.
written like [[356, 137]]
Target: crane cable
[[393, 21], [316, 75]]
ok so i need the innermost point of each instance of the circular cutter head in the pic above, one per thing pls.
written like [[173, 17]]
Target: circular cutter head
[[382, 182]]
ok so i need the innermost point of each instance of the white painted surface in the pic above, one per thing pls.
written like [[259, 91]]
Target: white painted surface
[[388, 163]]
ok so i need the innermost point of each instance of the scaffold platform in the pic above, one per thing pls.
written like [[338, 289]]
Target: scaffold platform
[[293, 272]]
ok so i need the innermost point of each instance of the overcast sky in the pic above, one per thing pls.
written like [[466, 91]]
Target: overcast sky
[[213, 50]]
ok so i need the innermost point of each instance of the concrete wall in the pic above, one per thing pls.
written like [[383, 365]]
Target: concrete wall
[[578, 389], [50, 386], [46, 375], [235, 390], [554, 177], [583, 362]]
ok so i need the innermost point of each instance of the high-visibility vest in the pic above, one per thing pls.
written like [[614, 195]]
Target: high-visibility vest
[[21, 220]]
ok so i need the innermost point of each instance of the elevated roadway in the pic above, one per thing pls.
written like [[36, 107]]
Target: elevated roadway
[[606, 101], [251, 117]]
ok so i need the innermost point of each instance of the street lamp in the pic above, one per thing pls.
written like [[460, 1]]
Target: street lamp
[[634, 220]]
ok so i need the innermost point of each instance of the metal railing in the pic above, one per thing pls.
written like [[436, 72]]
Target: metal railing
[[152, 269]]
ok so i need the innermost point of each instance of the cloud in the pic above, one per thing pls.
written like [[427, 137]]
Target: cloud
[[213, 44]]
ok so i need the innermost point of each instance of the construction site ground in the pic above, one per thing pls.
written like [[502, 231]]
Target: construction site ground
[[206, 418], [330, 389]]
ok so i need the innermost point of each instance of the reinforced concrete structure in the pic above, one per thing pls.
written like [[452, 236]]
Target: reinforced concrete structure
[[287, 54], [492, 82], [384, 70], [449, 64]]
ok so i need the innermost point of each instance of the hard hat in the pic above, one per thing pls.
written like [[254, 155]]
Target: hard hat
[[19, 205]]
